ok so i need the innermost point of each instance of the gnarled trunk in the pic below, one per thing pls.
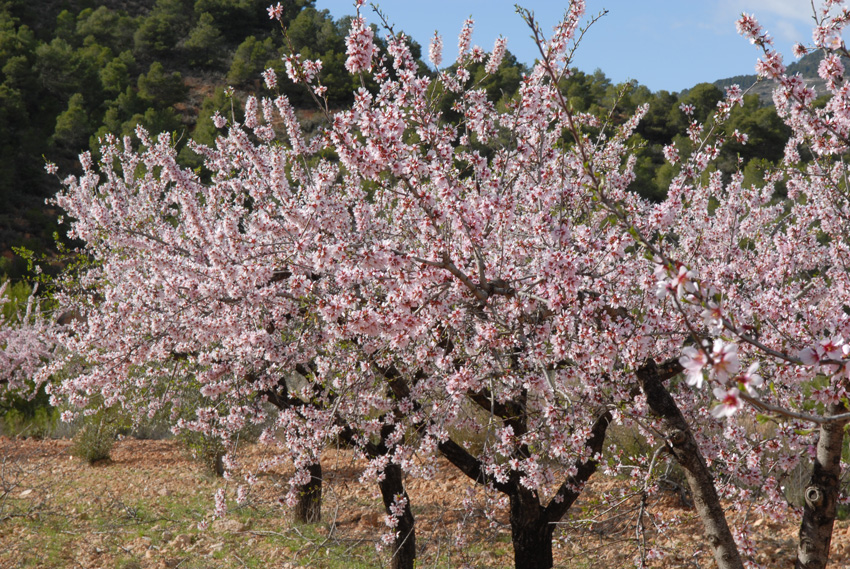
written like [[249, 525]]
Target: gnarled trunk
[[308, 509], [821, 496], [404, 546], [685, 451]]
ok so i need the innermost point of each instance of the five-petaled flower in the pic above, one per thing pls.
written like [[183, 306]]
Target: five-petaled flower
[[750, 379], [725, 362], [730, 402]]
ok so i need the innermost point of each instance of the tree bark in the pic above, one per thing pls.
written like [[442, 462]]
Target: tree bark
[[531, 532], [684, 449], [404, 546], [821, 496], [308, 509]]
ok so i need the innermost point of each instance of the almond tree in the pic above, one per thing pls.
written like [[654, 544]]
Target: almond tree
[[27, 342], [410, 276], [486, 280], [755, 280]]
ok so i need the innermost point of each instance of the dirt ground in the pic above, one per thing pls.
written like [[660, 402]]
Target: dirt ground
[[141, 510]]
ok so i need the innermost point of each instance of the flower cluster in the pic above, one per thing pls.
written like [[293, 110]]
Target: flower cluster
[[496, 56], [435, 50], [359, 47]]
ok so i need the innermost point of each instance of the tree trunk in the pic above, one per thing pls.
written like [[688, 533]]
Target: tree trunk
[[532, 525], [404, 546], [821, 496], [531, 532], [683, 447], [308, 510]]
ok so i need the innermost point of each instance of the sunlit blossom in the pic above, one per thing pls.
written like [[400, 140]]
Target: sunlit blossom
[[730, 402]]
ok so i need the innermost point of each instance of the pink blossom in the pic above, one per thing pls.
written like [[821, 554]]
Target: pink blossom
[[270, 78], [712, 316], [750, 379], [359, 47], [218, 120], [734, 95], [292, 64], [683, 281], [220, 504], [730, 402], [671, 153], [771, 66], [694, 360], [725, 359], [275, 12], [750, 28], [464, 39], [496, 56]]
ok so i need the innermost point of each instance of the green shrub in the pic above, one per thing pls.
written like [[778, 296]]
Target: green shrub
[[206, 450], [93, 442]]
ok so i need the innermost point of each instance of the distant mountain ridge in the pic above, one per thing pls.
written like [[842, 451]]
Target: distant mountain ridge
[[807, 67]]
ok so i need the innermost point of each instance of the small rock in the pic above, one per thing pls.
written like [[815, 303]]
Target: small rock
[[164, 492], [141, 543], [26, 493], [230, 526], [371, 519], [182, 541]]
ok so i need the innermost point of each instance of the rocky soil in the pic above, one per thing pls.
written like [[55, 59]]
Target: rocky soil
[[142, 509]]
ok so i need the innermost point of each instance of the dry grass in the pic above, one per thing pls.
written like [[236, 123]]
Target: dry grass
[[141, 509]]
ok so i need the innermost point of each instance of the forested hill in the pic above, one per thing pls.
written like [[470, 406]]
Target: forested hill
[[74, 70]]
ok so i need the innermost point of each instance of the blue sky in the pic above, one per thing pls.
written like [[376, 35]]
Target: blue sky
[[663, 44]]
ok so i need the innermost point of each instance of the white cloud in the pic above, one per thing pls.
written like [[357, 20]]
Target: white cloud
[[787, 21], [799, 11]]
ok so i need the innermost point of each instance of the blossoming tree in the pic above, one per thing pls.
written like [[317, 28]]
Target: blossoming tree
[[27, 342], [409, 278], [756, 277]]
